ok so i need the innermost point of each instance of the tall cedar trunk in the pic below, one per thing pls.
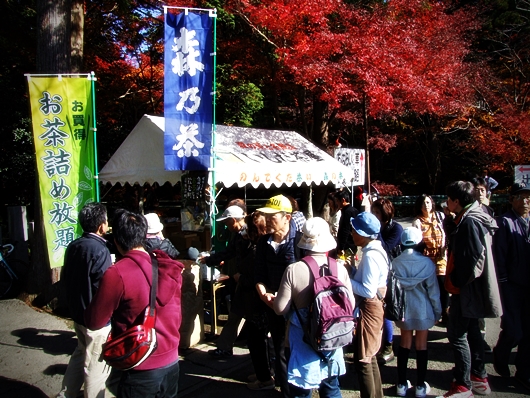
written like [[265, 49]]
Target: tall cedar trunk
[[76, 40], [53, 56], [53, 38]]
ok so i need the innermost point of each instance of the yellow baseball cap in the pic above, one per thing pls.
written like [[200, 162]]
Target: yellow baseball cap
[[277, 203]]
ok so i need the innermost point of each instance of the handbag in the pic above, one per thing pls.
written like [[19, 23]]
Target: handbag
[[395, 298], [133, 346]]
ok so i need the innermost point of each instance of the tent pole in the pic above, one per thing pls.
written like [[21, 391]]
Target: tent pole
[[213, 195], [94, 128]]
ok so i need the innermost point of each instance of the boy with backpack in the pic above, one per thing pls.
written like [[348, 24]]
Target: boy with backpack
[[310, 304]]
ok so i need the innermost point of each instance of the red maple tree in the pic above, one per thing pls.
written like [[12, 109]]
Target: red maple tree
[[391, 58]]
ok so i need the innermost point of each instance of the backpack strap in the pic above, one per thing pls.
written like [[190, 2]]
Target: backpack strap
[[315, 267]]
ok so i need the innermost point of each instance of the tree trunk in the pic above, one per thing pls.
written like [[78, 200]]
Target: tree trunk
[[430, 149], [301, 109], [320, 130], [53, 38], [77, 37], [53, 56]]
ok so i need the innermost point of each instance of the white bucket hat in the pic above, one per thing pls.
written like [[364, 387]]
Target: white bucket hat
[[316, 236], [154, 225]]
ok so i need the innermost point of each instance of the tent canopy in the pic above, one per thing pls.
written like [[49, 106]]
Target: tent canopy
[[243, 156]]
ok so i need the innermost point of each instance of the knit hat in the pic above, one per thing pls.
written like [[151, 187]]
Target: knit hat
[[366, 224], [411, 236], [232, 212], [154, 225], [316, 236], [276, 204]]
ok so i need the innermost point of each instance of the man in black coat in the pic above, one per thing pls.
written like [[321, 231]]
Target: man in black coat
[[85, 261]]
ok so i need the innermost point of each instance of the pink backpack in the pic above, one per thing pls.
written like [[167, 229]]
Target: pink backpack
[[330, 322]]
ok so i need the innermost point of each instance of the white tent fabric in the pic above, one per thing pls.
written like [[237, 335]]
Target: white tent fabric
[[243, 156]]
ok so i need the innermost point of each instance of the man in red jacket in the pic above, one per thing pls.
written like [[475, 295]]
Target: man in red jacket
[[122, 298]]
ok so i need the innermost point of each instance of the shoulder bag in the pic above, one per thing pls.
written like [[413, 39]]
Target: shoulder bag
[[133, 346]]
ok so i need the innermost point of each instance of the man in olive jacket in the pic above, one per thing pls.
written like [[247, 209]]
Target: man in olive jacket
[[473, 283]]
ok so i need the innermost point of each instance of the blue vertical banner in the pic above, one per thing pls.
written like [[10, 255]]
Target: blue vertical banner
[[188, 89]]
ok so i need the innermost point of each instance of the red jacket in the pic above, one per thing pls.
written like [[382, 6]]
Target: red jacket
[[123, 295]]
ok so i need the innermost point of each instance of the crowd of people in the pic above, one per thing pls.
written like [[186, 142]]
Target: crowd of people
[[457, 265]]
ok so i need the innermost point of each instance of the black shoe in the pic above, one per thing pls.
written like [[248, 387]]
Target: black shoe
[[525, 381], [386, 355], [218, 353], [502, 369]]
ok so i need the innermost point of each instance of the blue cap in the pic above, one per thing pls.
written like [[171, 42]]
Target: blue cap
[[366, 224], [411, 236]]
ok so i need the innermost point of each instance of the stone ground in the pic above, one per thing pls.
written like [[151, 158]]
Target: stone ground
[[35, 347]]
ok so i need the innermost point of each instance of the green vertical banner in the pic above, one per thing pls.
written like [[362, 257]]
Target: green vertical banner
[[62, 118]]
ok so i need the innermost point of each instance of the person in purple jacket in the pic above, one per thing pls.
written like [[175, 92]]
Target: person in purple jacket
[[122, 297], [511, 248]]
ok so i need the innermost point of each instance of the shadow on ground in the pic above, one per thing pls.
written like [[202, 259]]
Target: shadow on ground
[[53, 342], [16, 389]]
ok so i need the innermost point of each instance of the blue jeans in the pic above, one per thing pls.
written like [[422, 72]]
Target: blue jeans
[[468, 345], [155, 383], [329, 388]]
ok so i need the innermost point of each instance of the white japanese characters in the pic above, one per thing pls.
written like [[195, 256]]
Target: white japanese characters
[[185, 61]]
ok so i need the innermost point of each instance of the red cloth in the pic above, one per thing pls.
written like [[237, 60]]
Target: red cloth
[[123, 295]]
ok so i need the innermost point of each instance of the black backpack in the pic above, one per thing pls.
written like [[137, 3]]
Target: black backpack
[[395, 299]]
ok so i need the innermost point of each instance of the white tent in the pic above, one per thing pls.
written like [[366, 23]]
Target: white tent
[[243, 156]]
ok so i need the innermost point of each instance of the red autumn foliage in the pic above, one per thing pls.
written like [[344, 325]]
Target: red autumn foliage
[[400, 56]]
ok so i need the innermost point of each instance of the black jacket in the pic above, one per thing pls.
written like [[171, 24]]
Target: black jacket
[[344, 238], [85, 261], [271, 264], [164, 245]]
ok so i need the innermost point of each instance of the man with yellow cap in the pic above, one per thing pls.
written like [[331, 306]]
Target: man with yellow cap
[[274, 252]]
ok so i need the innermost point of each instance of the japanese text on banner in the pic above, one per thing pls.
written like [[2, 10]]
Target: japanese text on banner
[[188, 90], [61, 111]]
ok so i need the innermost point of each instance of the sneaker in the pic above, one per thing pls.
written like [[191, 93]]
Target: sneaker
[[385, 355], [261, 385], [423, 391], [218, 353], [401, 390], [480, 386], [457, 391]]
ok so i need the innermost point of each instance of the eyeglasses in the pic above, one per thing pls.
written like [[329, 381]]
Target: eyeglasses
[[526, 199]]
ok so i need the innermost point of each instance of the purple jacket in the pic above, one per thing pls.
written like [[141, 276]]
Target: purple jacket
[[511, 248], [123, 295]]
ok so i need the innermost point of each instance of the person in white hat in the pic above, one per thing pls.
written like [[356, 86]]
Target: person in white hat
[[155, 239], [417, 274], [306, 370]]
